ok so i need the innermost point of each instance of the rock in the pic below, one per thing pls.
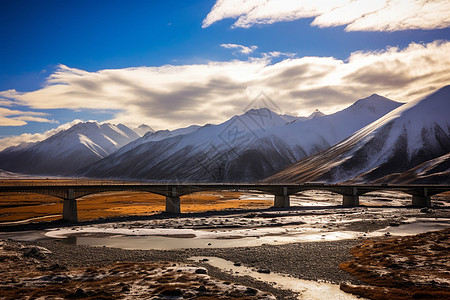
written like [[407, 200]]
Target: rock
[[251, 291], [264, 271], [426, 210], [125, 289], [201, 288], [237, 264], [35, 252], [201, 271]]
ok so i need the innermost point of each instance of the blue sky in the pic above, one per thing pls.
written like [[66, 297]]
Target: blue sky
[[38, 37]]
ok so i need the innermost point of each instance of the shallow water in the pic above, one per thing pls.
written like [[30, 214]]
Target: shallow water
[[25, 236], [307, 289], [172, 239], [174, 243], [417, 227]]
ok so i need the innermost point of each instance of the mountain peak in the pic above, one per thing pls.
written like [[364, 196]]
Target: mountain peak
[[260, 118], [316, 114], [259, 111], [374, 98], [374, 103], [143, 129]]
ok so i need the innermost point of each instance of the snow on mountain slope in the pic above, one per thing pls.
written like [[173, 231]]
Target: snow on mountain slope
[[153, 136], [434, 171], [406, 137], [68, 150], [8, 175], [22, 146], [244, 148], [310, 136]]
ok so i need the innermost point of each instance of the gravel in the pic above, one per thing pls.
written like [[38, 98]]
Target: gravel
[[311, 261]]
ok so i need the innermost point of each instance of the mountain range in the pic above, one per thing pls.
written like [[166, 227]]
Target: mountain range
[[69, 150], [373, 140], [247, 147], [409, 144]]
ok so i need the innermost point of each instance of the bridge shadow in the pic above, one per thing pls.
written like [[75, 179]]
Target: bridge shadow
[[266, 212]]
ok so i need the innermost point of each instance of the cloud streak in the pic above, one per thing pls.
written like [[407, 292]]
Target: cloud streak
[[357, 15], [176, 96], [10, 117], [241, 49]]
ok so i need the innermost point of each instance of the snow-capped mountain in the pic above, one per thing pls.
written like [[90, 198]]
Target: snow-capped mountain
[[67, 150], [403, 139], [244, 148]]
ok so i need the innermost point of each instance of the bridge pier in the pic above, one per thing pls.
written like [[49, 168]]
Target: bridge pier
[[282, 201], [422, 200], [173, 202], [70, 210], [351, 200]]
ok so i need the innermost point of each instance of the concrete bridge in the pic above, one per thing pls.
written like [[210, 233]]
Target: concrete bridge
[[71, 192]]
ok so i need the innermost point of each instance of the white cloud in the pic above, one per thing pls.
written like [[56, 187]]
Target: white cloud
[[358, 15], [278, 54], [175, 96], [240, 48], [10, 117], [11, 122]]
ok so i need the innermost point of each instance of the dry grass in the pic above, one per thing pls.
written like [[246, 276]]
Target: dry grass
[[17, 207], [413, 267]]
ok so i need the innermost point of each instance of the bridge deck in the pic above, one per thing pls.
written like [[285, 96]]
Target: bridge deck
[[71, 190]]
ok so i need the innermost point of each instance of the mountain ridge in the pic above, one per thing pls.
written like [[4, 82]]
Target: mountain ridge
[[245, 147]]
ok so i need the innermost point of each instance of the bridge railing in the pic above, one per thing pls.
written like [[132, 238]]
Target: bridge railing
[[96, 182]]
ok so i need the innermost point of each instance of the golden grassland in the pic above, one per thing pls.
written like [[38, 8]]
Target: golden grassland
[[17, 207]]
